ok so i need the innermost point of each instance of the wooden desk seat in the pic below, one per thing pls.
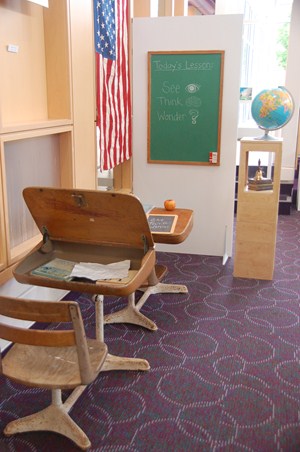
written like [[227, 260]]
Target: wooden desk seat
[[91, 226], [50, 359]]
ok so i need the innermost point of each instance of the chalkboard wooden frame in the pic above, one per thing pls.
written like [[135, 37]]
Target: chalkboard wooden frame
[[185, 91], [162, 223]]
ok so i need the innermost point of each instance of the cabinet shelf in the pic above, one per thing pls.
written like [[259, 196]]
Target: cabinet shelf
[[35, 81], [35, 125], [40, 157], [47, 104], [18, 252]]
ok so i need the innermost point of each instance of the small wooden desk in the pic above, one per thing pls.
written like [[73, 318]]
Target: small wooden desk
[[183, 226], [131, 313]]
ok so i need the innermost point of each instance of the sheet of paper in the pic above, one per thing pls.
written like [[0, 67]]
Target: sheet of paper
[[115, 270]]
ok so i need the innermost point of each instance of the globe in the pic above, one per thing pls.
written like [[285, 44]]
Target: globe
[[272, 109]]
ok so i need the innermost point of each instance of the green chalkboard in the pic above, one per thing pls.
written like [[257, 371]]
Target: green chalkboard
[[184, 107]]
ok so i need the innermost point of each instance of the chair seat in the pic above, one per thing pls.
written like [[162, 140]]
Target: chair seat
[[50, 367]]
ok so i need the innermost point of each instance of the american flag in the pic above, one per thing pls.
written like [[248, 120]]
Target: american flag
[[112, 81]]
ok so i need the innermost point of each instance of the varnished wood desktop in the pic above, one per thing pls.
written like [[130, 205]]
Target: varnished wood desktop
[[183, 226]]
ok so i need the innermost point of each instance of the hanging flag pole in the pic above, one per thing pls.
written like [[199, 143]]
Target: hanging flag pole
[[112, 81]]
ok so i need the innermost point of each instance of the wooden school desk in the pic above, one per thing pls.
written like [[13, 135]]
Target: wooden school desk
[[131, 313], [88, 226]]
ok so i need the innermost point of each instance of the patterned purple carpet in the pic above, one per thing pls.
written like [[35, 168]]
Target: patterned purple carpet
[[225, 365]]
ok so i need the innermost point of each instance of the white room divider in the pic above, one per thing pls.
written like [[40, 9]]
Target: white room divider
[[208, 190]]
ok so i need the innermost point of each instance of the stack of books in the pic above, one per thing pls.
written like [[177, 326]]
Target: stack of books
[[261, 184]]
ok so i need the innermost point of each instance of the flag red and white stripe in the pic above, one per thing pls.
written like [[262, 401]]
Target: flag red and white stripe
[[112, 82]]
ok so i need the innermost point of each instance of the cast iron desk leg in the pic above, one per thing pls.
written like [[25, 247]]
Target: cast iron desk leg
[[113, 362], [131, 313]]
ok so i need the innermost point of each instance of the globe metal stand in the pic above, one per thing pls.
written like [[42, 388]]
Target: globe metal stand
[[266, 136]]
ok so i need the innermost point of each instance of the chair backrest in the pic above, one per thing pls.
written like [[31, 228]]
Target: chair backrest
[[47, 312]]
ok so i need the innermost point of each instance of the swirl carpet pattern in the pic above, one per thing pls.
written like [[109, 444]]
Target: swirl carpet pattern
[[225, 365]]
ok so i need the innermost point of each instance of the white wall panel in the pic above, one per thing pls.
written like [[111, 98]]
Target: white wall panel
[[209, 191]]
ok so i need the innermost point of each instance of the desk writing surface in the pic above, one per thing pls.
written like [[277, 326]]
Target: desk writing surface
[[182, 228]]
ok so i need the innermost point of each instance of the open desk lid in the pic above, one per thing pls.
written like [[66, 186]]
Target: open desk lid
[[89, 216]]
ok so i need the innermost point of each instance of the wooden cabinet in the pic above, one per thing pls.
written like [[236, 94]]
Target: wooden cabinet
[[257, 212], [47, 111]]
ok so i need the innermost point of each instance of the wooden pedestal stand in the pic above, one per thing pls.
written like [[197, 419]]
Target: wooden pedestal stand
[[257, 214]]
